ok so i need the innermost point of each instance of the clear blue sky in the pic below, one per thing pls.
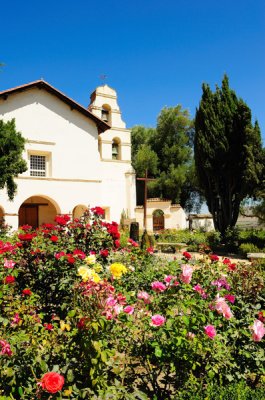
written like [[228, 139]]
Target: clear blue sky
[[155, 53]]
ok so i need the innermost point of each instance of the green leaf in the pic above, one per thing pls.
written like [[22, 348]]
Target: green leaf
[[158, 352], [71, 313], [103, 356], [70, 375], [186, 320]]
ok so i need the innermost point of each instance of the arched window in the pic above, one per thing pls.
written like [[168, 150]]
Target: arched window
[[116, 149], [106, 113]]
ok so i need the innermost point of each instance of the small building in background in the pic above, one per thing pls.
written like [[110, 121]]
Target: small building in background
[[161, 214], [200, 222]]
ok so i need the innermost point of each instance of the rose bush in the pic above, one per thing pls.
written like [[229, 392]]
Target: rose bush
[[81, 318]]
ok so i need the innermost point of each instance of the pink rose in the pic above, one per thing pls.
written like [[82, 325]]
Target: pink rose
[[210, 331], [9, 263], [111, 302], [144, 296], [190, 336], [200, 290], [169, 278], [222, 307], [187, 271], [117, 309], [129, 310], [16, 320], [158, 286], [258, 330], [157, 320], [231, 298], [5, 348]]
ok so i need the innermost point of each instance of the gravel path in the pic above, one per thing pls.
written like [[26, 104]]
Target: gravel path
[[177, 256]]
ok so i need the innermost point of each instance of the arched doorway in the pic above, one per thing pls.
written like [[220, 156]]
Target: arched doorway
[[37, 210], [79, 210], [158, 220]]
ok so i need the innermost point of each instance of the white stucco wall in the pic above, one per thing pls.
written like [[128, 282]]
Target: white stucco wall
[[175, 217], [76, 172]]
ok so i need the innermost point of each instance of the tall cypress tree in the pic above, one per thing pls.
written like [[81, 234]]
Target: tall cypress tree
[[11, 161], [228, 153]]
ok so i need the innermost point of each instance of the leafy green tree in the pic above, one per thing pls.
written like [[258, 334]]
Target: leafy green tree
[[11, 161], [228, 153], [146, 160], [167, 150]]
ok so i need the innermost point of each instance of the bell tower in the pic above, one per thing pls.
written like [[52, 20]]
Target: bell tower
[[103, 103]]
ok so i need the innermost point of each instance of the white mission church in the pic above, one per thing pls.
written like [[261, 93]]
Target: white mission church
[[76, 156]]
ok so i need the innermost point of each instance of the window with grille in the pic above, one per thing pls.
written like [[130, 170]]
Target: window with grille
[[37, 165]]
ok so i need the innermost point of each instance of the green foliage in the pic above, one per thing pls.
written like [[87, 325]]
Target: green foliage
[[166, 152], [234, 391], [246, 248], [146, 160], [254, 236], [146, 240], [78, 326], [228, 153], [11, 161]]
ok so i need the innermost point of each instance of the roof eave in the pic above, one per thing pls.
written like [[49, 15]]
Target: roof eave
[[101, 125]]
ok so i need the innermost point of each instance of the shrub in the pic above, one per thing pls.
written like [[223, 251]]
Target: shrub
[[246, 248], [103, 322]]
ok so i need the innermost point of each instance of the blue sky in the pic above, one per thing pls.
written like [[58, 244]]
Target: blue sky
[[155, 53]]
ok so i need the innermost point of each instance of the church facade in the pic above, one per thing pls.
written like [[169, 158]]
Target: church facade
[[77, 157]]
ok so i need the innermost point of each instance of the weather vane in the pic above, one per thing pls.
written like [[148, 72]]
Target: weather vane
[[103, 78]]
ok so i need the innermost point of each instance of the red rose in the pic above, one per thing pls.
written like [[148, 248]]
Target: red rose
[[26, 227], [48, 327], [9, 279], [186, 255], [98, 211], [214, 257], [54, 238], [117, 243], [70, 258], [26, 236], [52, 382], [26, 292], [104, 253]]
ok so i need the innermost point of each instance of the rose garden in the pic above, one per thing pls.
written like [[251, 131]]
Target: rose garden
[[86, 315]]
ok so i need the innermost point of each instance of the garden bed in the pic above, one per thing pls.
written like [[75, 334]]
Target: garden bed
[[83, 318]]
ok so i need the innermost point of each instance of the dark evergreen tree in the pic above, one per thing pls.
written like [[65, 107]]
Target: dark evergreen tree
[[11, 161], [228, 153]]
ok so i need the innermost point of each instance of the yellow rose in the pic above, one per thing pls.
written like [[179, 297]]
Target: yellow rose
[[85, 273], [97, 267], [117, 270], [64, 326], [91, 259], [95, 277]]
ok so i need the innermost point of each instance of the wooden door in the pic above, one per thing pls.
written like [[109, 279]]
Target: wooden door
[[28, 215], [158, 222]]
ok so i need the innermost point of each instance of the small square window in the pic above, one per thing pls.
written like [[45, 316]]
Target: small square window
[[37, 165]]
